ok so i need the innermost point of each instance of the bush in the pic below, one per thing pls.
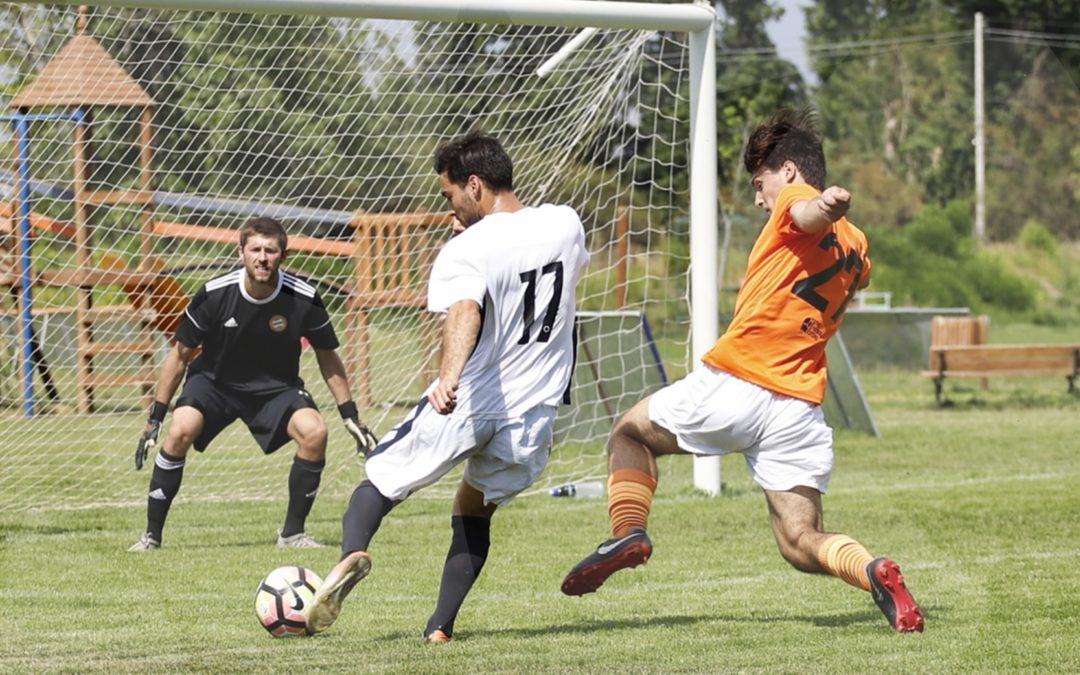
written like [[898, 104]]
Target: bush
[[945, 231], [934, 262], [996, 286], [1035, 236]]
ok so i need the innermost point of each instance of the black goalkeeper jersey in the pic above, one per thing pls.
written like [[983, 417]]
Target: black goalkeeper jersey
[[253, 345]]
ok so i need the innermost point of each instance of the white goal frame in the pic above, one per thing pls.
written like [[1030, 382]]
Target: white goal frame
[[698, 19]]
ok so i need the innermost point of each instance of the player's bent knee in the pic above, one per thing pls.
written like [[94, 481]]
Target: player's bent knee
[[799, 560], [179, 439], [308, 428], [313, 444], [634, 425], [184, 427], [796, 550]]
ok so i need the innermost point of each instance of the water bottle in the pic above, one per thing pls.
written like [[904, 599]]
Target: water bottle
[[591, 488]]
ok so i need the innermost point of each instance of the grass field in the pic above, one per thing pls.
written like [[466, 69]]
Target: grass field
[[979, 502]]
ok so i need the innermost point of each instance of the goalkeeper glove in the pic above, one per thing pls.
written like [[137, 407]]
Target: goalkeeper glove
[[150, 433], [365, 440]]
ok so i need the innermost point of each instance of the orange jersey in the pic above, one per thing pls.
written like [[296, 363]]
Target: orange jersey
[[793, 299]]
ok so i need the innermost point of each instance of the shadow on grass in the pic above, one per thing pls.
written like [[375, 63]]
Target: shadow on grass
[[13, 531], [869, 617], [1014, 399]]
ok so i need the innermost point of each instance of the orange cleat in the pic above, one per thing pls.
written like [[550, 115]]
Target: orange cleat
[[437, 637]]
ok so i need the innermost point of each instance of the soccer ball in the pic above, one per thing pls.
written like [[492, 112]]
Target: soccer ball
[[282, 598]]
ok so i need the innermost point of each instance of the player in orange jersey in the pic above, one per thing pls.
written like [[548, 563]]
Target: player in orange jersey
[[759, 389]]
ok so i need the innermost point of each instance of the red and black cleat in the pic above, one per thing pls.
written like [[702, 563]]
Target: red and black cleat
[[893, 597], [613, 555]]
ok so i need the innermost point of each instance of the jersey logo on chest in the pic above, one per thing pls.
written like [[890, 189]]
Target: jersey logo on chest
[[278, 323]]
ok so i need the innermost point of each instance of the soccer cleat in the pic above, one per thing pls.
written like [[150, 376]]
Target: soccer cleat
[[437, 637], [298, 540], [892, 596], [613, 555], [326, 606], [145, 543]]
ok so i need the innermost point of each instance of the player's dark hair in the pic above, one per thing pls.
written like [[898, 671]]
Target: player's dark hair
[[790, 135], [476, 154], [266, 227]]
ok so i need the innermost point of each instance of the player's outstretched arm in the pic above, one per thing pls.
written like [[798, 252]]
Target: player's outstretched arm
[[337, 380], [172, 372], [814, 215], [460, 332]]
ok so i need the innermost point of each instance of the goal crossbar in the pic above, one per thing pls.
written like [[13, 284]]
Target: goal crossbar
[[629, 15]]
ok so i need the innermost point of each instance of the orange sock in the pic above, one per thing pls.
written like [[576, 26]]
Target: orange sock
[[843, 557], [630, 494]]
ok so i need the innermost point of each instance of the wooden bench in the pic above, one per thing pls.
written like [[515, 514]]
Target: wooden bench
[[955, 331], [948, 331], [982, 361]]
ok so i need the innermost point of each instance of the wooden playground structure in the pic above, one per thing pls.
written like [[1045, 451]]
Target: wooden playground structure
[[391, 252], [82, 77]]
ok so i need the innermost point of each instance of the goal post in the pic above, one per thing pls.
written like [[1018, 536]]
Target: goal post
[[704, 248], [325, 114]]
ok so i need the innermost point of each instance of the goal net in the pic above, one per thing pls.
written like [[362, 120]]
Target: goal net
[[136, 141]]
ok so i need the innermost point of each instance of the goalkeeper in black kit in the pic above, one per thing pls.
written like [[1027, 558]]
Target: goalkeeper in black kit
[[248, 324]]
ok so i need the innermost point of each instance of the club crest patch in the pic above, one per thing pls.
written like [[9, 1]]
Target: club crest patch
[[278, 323]]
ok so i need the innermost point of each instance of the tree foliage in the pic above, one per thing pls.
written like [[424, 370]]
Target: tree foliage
[[748, 93], [898, 107], [934, 261]]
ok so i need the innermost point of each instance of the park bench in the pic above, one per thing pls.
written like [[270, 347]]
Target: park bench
[[982, 361]]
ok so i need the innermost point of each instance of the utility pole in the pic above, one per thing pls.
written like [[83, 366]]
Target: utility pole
[[980, 135]]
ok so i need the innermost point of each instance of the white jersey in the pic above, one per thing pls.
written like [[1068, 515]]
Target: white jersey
[[522, 268]]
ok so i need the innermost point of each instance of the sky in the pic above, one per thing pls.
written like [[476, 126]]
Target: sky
[[789, 33]]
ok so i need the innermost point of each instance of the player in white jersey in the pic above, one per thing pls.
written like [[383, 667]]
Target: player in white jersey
[[506, 283]]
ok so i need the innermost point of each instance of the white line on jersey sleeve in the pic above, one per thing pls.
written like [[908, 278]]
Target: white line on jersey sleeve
[[298, 285], [224, 280]]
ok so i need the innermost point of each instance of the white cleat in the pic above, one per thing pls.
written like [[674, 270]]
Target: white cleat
[[298, 540], [324, 609], [145, 543]]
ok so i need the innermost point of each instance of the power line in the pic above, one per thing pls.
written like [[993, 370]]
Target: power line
[[863, 46], [1064, 40], [951, 36], [871, 47]]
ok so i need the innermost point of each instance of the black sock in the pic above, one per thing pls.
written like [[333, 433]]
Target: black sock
[[304, 481], [361, 521], [466, 557], [164, 484]]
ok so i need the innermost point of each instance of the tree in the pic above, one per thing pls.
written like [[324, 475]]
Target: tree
[[269, 110], [750, 88], [898, 114]]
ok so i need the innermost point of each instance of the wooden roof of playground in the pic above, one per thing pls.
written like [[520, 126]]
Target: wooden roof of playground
[[82, 74]]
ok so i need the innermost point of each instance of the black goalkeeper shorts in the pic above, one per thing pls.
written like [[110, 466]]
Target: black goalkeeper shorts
[[266, 415]]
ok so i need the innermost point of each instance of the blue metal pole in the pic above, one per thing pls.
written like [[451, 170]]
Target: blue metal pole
[[647, 329], [25, 301], [22, 129]]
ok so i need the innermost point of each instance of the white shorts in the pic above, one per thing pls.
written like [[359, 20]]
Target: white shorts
[[504, 456], [785, 440]]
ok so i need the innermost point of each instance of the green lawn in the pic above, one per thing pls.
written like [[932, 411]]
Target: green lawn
[[979, 502]]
